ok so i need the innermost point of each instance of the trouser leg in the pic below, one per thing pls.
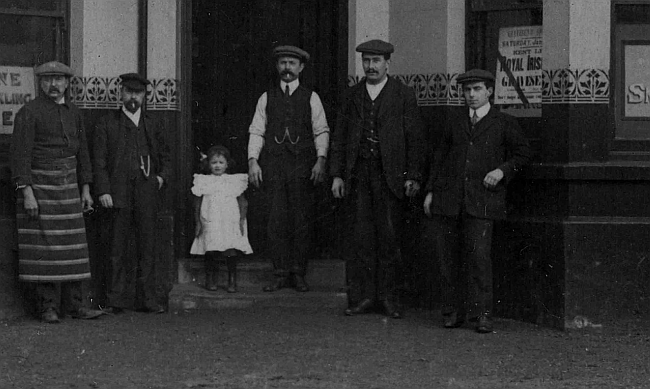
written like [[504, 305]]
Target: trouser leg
[[447, 251], [121, 266], [387, 209], [145, 214], [47, 296], [477, 244], [301, 204], [72, 296], [362, 261], [278, 226]]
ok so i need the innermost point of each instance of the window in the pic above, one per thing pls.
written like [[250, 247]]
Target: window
[[630, 70]]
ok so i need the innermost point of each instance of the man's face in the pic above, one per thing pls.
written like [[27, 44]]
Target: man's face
[[289, 68], [476, 94], [132, 99], [54, 86], [375, 66]]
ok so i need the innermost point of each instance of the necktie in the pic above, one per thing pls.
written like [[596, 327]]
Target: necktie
[[474, 118], [286, 92]]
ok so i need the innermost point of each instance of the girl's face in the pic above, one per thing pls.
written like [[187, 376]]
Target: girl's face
[[218, 165]]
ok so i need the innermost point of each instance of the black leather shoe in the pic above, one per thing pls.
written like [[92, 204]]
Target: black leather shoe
[[113, 310], [87, 314], [301, 284], [391, 310], [453, 320], [362, 307], [484, 325], [50, 317], [276, 284]]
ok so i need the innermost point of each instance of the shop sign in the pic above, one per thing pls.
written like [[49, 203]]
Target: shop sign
[[637, 81], [518, 86], [16, 89]]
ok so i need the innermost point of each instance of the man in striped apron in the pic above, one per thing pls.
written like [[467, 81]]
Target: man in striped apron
[[49, 156]]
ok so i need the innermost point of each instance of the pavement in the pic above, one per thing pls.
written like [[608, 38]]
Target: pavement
[[296, 340]]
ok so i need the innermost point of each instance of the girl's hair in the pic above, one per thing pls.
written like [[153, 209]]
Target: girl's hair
[[220, 151]]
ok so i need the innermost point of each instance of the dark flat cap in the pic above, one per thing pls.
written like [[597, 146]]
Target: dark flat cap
[[134, 81], [375, 46], [291, 51], [53, 68], [475, 75]]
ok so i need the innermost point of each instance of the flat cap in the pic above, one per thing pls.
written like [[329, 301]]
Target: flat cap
[[291, 51], [475, 75], [375, 46], [134, 81], [53, 68]]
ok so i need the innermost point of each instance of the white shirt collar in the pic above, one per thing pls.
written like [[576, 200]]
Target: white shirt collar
[[293, 85], [481, 112], [375, 90], [62, 101], [135, 117]]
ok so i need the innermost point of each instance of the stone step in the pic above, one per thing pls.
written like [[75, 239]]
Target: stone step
[[322, 274], [191, 297]]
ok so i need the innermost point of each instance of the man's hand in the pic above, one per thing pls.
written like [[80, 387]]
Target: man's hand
[[86, 198], [427, 203], [338, 188], [106, 201], [493, 178], [30, 203], [161, 181], [318, 171], [254, 172], [411, 188]]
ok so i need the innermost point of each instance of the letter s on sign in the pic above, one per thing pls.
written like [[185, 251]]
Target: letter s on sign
[[635, 94]]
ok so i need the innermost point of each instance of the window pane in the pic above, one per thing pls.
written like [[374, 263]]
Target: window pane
[[34, 5], [26, 40], [633, 14]]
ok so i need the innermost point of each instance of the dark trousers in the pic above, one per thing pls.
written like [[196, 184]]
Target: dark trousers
[[138, 218], [375, 245], [63, 297], [288, 229], [463, 246]]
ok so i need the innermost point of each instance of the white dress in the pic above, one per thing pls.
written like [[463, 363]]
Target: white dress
[[220, 213]]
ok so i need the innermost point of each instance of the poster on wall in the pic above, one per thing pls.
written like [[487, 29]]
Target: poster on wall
[[16, 89], [518, 86]]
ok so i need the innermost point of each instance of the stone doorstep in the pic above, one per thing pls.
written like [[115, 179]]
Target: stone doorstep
[[189, 297], [322, 274]]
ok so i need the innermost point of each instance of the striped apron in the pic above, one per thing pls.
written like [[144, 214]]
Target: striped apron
[[53, 247]]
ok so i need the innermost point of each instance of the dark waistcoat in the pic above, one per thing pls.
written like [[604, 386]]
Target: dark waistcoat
[[369, 144], [288, 122]]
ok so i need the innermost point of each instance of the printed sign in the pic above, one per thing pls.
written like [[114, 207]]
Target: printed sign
[[637, 81], [16, 89], [518, 83]]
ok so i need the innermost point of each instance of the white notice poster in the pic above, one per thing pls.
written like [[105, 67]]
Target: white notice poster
[[16, 89], [519, 70]]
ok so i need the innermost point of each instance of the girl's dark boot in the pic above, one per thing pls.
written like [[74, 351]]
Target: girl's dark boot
[[211, 271], [232, 274]]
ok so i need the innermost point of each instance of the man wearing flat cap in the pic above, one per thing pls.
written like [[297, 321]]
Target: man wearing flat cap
[[50, 164], [376, 162], [131, 164], [287, 151], [479, 152]]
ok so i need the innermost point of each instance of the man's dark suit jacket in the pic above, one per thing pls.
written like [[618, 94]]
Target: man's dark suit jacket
[[463, 158], [400, 130], [109, 152]]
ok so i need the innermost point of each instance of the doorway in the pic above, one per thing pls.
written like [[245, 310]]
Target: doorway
[[232, 41]]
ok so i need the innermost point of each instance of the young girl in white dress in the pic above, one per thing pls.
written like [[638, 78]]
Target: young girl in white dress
[[220, 214]]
